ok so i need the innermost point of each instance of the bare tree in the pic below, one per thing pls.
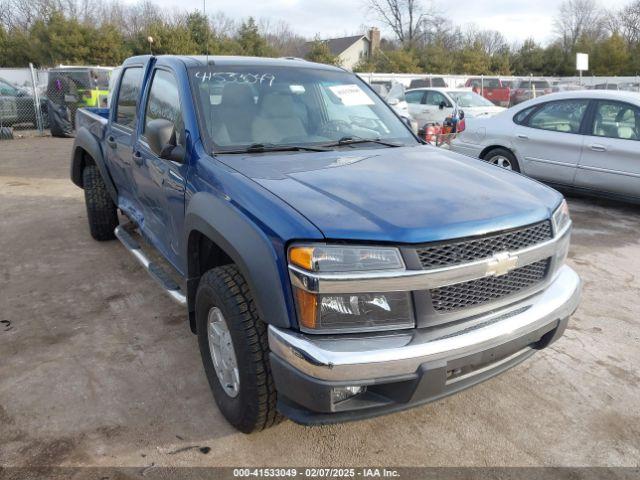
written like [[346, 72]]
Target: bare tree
[[409, 20], [629, 23], [577, 19], [280, 36]]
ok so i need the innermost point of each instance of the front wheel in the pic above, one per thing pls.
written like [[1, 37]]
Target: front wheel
[[235, 350], [503, 158], [101, 211]]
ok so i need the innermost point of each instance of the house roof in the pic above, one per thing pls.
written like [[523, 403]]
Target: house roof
[[336, 45]]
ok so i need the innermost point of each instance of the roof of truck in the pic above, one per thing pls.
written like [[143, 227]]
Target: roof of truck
[[202, 60]]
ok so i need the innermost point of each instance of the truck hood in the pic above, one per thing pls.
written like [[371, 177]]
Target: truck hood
[[399, 195]]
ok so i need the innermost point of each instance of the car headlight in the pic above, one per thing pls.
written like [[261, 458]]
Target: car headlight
[[356, 312], [561, 217]]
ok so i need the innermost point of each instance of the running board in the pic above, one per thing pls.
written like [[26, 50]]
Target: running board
[[170, 287]]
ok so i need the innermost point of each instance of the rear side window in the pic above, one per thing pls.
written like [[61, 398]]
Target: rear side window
[[128, 97], [562, 116], [164, 103], [521, 117], [617, 120], [414, 97]]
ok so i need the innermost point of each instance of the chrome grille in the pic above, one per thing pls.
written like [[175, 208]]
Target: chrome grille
[[469, 250], [477, 292]]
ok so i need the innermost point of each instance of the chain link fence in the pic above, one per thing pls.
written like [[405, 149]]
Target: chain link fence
[[23, 103]]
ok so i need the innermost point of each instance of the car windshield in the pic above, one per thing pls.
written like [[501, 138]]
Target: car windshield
[[244, 107], [470, 99]]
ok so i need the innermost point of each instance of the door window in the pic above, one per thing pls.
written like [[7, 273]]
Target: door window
[[414, 97], [435, 98], [128, 97], [164, 103], [617, 120], [562, 116]]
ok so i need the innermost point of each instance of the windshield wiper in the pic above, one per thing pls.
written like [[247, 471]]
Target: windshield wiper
[[353, 140], [271, 147]]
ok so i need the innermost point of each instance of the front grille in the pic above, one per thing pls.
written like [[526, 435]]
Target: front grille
[[477, 292], [457, 252]]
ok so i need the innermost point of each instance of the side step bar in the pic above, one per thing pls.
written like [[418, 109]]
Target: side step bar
[[170, 287]]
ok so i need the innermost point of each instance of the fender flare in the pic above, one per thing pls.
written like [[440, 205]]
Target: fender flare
[[249, 248], [86, 142]]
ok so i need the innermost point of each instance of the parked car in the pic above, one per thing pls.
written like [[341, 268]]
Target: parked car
[[428, 82], [396, 99], [434, 105], [586, 140], [565, 86], [332, 266], [17, 106], [606, 86], [524, 90], [495, 90]]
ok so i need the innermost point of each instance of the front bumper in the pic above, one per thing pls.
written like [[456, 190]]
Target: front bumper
[[408, 368]]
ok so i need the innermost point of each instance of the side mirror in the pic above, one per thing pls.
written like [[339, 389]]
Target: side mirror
[[442, 105], [461, 114], [161, 136]]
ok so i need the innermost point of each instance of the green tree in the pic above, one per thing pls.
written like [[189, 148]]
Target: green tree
[[107, 46], [320, 53], [200, 31], [58, 40], [251, 42], [611, 57]]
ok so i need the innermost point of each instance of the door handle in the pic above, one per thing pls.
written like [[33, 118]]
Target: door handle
[[522, 136], [598, 148], [137, 158], [111, 141]]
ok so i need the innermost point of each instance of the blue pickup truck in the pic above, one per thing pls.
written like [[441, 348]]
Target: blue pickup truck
[[332, 266]]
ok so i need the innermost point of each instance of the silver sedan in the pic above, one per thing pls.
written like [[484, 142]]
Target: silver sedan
[[583, 140]]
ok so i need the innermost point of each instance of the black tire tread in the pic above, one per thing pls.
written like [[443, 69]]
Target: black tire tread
[[228, 281], [101, 211]]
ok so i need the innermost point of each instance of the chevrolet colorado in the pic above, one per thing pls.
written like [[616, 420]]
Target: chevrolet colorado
[[332, 266]]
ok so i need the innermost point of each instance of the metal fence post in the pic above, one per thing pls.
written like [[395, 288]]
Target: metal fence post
[[482, 85], [36, 101]]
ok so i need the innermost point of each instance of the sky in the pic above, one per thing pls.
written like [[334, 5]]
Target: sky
[[516, 19]]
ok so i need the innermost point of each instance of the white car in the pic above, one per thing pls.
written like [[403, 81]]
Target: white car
[[434, 105], [583, 140]]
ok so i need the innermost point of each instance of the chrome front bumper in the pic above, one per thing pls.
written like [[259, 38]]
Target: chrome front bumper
[[361, 358]]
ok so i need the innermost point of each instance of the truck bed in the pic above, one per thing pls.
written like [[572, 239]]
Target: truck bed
[[93, 119]]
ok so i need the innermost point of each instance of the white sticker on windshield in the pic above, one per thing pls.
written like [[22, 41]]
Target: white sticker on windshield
[[351, 95]]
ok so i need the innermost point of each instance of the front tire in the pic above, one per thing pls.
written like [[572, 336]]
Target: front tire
[[503, 158], [101, 211], [236, 359]]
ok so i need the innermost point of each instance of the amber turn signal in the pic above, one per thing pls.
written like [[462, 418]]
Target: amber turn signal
[[307, 308], [302, 257]]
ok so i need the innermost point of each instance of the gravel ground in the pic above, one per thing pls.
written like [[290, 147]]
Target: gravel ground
[[98, 367]]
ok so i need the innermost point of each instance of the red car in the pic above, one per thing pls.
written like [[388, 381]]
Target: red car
[[493, 89]]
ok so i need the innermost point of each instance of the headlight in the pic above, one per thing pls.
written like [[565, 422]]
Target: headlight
[[561, 217], [330, 258], [357, 312]]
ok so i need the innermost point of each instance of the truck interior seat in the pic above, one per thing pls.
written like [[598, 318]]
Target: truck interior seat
[[278, 119]]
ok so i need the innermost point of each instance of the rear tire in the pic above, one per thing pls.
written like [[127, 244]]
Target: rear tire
[[101, 211], [249, 405], [503, 158]]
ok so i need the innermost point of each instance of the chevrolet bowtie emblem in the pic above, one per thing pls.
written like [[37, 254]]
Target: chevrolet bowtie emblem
[[501, 264]]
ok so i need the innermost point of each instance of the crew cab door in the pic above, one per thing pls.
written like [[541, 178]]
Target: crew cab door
[[160, 183], [120, 136], [611, 155], [548, 141]]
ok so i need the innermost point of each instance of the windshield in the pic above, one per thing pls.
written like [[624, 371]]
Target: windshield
[[244, 106], [470, 99]]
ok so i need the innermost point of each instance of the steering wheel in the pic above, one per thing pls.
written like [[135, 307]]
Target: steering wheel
[[333, 127]]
